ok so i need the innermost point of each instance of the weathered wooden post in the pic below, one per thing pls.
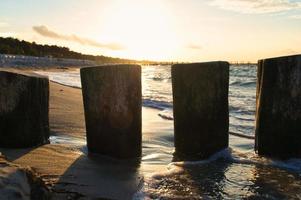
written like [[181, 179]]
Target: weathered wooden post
[[24, 103], [112, 101], [278, 109], [201, 114]]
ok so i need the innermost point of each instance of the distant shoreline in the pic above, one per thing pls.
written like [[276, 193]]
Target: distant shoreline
[[23, 61], [15, 47]]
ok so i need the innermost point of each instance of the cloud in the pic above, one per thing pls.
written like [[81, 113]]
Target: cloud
[[194, 46], [257, 6], [3, 24], [8, 34], [44, 31], [288, 51], [295, 17]]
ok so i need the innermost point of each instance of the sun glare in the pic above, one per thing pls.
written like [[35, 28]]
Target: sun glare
[[144, 28]]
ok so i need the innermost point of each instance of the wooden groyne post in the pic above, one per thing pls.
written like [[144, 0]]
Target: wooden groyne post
[[24, 104], [112, 103], [278, 109], [201, 114]]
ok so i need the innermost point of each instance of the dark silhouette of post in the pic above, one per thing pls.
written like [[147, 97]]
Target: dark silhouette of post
[[201, 114], [112, 102], [278, 109], [24, 104]]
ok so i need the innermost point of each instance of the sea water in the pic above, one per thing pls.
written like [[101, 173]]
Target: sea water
[[234, 173]]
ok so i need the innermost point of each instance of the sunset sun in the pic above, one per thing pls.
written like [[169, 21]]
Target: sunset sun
[[144, 28]]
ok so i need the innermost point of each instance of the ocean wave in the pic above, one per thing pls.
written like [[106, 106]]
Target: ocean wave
[[159, 78], [242, 135], [246, 117], [235, 156], [243, 83], [69, 78], [242, 110], [160, 105], [166, 114]]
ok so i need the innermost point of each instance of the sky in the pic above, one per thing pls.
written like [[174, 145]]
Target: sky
[[162, 30]]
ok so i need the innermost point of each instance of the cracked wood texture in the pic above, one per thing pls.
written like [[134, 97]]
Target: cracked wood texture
[[201, 115], [24, 104], [112, 103], [278, 109]]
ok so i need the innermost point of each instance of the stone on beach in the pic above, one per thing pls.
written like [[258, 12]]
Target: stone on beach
[[24, 104], [20, 183], [112, 103], [278, 109], [201, 115]]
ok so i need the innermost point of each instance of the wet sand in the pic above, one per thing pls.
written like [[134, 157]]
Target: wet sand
[[66, 112], [67, 170]]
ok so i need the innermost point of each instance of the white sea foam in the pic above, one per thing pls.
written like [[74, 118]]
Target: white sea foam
[[156, 185], [166, 114], [67, 140], [236, 156]]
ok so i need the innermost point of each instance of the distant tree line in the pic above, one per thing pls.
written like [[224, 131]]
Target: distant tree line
[[17, 47]]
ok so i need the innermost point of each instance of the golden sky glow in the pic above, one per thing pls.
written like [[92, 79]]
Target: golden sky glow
[[144, 29], [165, 30]]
